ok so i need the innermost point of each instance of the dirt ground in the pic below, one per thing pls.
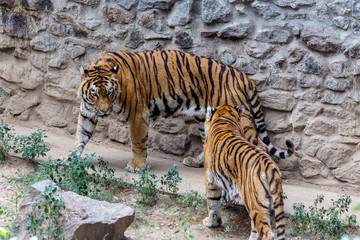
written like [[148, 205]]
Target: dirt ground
[[164, 221]]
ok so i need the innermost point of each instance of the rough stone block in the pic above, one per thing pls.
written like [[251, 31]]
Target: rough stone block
[[247, 65], [260, 50], [215, 11], [237, 30], [135, 39], [37, 5], [127, 4], [356, 9], [183, 40], [46, 43], [15, 25], [354, 51], [294, 3], [266, 11], [274, 34], [159, 4], [334, 155], [310, 65], [285, 82], [310, 168], [295, 55], [278, 100], [338, 84], [92, 3], [27, 101], [151, 19], [180, 14], [321, 41], [119, 132], [341, 22], [174, 144], [334, 98], [118, 15], [321, 126]]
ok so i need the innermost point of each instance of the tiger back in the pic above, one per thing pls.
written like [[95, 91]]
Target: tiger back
[[235, 167]]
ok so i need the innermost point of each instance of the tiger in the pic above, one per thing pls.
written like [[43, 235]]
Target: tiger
[[149, 84], [234, 167]]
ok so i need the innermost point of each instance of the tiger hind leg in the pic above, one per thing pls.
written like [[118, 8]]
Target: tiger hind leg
[[199, 161], [213, 197], [139, 137]]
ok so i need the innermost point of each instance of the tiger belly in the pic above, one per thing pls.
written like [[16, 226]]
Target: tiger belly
[[229, 191], [168, 106]]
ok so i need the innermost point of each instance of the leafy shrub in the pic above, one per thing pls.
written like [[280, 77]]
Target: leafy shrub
[[51, 205], [171, 179], [78, 174], [31, 146], [6, 138], [6, 231], [192, 199], [146, 186], [326, 223]]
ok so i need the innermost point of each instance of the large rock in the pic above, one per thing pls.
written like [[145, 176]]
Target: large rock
[[334, 155], [45, 43], [266, 10], [294, 3], [83, 217], [237, 30]]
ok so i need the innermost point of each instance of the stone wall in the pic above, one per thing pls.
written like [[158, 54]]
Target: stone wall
[[302, 54]]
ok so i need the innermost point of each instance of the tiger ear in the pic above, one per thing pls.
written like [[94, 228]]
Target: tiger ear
[[115, 69], [240, 109], [209, 113], [84, 71]]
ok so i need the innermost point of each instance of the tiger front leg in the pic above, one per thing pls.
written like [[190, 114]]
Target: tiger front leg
[[84, 131], [213, 197], [139, 137]]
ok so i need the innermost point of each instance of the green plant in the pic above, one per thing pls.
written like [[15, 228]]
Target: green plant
[[171, 179], [6, 137], [51, 205], [324, 222], [146, 187], [6, 231], [192, 199], [79, 174], [186, 232], [31, 146]]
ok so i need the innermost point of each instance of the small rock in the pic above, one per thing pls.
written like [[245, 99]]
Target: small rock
[[259, 50], [180, 14], [320, 126], [265, 10], [321, 41], [159, 4], [312, 167], [183, 40], [215, 10], [92, 3], [294, 3], [118, 15], [340, 85], [237, 30], [127, 4], [341, 22], [135, 39], [275, 34], [119, 132], [278, 100], [45, 43], [354, 51], [247, 65]]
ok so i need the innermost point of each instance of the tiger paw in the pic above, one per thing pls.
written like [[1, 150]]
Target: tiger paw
[[212, 221], [192, 162], [134, 168]]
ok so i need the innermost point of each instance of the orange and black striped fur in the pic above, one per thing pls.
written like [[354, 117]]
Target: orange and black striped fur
[[235, 167], [161, 83]]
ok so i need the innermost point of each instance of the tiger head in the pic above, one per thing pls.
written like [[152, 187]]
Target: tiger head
[[99, 89], [225, 112]]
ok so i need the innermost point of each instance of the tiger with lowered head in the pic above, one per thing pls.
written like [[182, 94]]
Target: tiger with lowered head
[[235, 167], [164, 83]]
